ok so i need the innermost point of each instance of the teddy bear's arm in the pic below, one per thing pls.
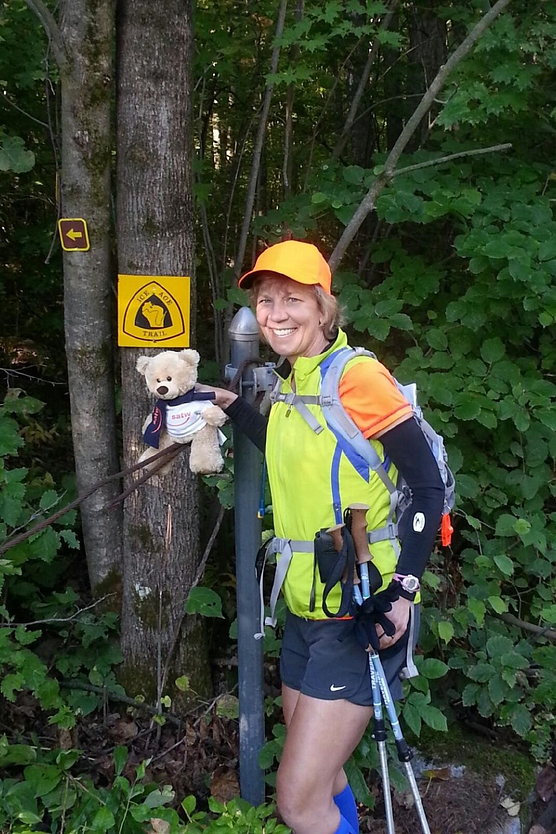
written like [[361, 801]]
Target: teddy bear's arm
[[214, 416]]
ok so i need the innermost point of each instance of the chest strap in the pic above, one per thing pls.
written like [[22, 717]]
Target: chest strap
[[300, 404]]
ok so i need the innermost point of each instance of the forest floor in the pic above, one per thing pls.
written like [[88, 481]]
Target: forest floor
[[469, 784]]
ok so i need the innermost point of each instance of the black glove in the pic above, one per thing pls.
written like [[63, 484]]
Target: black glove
[[373, 612]]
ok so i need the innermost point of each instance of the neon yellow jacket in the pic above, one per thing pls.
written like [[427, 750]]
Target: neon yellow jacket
[[308, 474]]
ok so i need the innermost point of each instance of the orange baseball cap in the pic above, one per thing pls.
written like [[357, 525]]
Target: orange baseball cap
[[302, 262]]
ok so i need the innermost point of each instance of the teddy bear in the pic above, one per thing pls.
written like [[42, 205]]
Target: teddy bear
[[181, 414]]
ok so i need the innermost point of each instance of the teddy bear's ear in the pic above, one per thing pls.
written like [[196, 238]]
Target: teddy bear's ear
[[142, 363], [190, 356]]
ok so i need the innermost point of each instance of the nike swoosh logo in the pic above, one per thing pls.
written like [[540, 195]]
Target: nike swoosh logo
[[336, 688]]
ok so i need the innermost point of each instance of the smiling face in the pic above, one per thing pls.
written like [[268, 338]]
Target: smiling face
[[289, 317]]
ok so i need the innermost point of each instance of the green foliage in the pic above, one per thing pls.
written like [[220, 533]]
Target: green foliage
[[51, 792], [29, 572]]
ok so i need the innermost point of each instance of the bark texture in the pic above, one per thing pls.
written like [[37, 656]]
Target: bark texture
[[87, 28], [155, 234]]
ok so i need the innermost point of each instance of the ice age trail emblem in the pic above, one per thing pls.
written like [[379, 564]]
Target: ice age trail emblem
[[418, 522], [153, 314]]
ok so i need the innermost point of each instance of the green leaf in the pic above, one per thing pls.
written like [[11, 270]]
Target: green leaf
[[499, 645], [477, 608], [359, 785], [28, 817], [467, 409], [470, 694], [160, 796], [204, 601], [492, 350], [445, 630], [547, 249], [227, 706], [183, 683], [549, 614], [319, 197], [434, 718], [481, 672], [522, 526], [498, 604], [103, 820], [437, 339], [505, 525], [433, 668], [504, 563], [189, 804], [14, 157], [498, 689], [521, 719], [412, 718], [120, 758]]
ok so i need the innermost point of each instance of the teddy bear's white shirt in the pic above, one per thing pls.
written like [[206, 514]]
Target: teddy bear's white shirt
[[186, 419]]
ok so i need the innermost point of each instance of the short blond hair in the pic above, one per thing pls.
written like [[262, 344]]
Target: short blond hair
[[332, 315]]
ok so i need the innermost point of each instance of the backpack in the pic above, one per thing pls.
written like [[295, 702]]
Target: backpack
[[356, 447]]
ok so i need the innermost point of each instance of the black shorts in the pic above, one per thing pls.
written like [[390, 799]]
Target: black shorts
[[316, 662]]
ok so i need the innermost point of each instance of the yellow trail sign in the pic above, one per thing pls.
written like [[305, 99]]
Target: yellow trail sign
[[153, 311]]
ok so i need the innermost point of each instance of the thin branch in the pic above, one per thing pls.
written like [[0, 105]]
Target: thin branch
[[10, 372], [363, 81], [62, 619], [25, 113], [322, 112], [433, 162], [163, 455], [259, 141], [287, 166], [122, 699], [51, 28], [549, 633], [369, 201]]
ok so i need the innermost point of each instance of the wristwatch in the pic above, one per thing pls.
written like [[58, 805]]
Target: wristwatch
[[409, 585]]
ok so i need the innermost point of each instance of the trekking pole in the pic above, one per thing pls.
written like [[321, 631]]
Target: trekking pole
[[379, 733], [404, 753]]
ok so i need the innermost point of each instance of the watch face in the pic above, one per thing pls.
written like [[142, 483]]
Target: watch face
[[410, 583]]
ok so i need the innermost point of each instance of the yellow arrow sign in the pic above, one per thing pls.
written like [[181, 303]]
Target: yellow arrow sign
[[74, 236]]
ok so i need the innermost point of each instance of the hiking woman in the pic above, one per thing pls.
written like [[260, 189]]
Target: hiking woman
[[326, 692]]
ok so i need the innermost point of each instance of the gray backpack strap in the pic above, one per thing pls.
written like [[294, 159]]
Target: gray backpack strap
[[340, 422], [285, 548]]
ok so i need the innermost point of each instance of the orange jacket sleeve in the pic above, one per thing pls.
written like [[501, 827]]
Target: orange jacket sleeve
[[371, 398]]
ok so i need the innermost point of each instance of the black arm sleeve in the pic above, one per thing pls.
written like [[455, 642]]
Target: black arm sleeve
[[407, 448], [248, 420]]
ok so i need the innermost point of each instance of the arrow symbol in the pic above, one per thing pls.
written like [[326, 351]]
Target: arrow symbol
[[74, 235]]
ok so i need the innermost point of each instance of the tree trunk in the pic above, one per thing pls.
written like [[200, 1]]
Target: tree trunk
[[155, 234], [428, 51], [87, 28]]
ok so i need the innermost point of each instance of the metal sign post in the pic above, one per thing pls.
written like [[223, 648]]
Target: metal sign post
[[244, 340]]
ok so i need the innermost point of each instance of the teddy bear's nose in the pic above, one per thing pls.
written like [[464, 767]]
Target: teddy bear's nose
[[162, 389]]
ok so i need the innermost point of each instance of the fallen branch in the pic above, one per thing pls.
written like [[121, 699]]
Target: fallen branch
[[369, 201], [549, 633]]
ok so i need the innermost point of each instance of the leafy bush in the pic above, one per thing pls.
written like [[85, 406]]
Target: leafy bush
[[29, 572], [49, 792]]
